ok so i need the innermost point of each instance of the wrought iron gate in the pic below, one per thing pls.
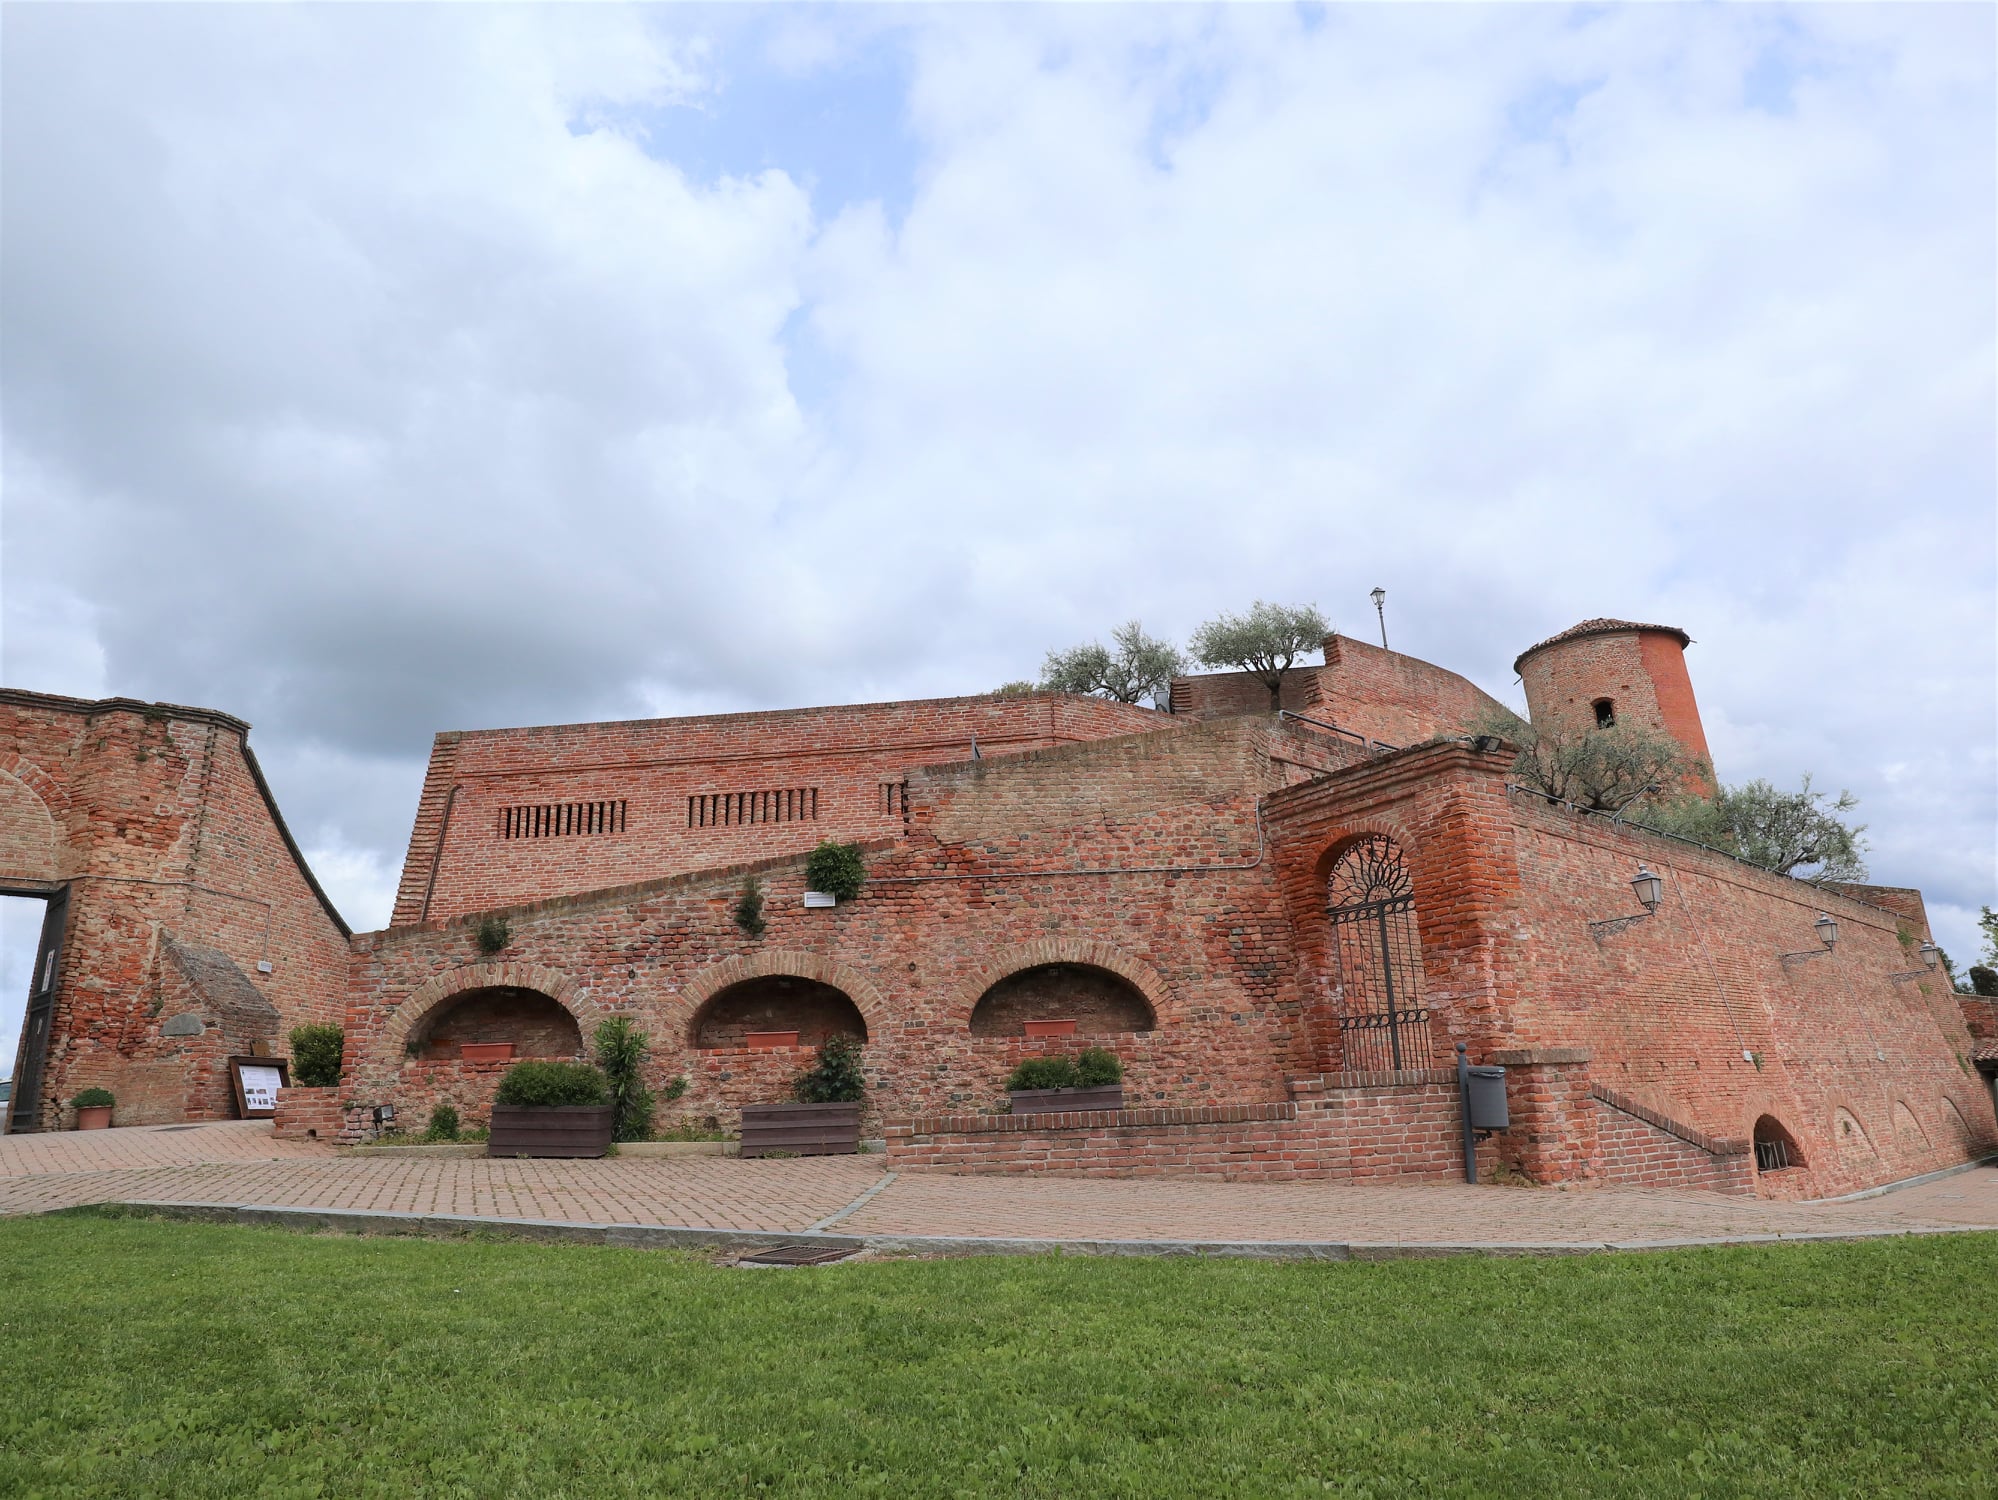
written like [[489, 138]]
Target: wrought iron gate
[[1383, 1024], [25, 1105]]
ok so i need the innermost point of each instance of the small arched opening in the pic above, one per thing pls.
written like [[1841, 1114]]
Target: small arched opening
[[778, 1002], [537, 1025], [1775, 1148], [1605, 713], [1099, 1002]]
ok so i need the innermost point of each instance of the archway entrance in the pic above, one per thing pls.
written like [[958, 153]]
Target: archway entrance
[[1370, 899], [538, 1025], [32, 926], [778, 1002], [1775, 1148]]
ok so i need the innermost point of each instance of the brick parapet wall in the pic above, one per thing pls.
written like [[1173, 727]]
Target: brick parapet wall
[[1638, 1147], [308, 1114], [1406, 1132], [849, 760]]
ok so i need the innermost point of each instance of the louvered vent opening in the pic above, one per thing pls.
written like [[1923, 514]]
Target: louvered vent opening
[[796, 804], [553, 820]]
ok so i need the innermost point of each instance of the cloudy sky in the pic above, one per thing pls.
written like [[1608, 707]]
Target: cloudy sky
[[370, 371]]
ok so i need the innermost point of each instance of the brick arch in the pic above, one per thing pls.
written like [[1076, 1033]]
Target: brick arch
[[1350, 835], [1135, 971], [779, 963], [1913, 1127], [1966, 1137], [54, 794], [30, 840], [441, 989]]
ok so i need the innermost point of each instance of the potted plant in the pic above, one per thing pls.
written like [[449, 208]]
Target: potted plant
[[551, 1109], [93, 1109], [824, 1120], [1093, 1079]]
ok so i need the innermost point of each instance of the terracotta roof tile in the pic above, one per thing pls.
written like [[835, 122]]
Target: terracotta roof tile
[[1599, 627]]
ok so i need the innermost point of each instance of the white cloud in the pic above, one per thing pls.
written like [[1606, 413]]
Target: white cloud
[[391, 336]]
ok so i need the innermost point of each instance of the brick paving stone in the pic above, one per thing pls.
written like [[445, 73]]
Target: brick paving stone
[[238, 1163]]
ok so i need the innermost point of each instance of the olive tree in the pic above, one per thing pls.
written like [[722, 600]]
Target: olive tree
[[1134, 667], [1606, 770], [1802, 833], [1267, 641]]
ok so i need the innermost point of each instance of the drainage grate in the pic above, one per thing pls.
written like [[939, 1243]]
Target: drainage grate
[[793, 1255]]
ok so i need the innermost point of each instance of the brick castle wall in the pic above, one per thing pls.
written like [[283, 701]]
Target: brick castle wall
[[659, 797]]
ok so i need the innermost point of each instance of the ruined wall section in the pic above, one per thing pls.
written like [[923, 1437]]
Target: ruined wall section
[[1695, 1013], [517, 815], [158, 822]]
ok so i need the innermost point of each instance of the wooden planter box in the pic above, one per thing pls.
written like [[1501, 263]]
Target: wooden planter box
[[1051, 1028], [1061, 1101], [483, 1052], [767, 1041], [552, 1130], [801, 1129]]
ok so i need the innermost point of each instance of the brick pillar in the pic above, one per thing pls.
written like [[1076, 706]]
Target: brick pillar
[[1553, 1134]]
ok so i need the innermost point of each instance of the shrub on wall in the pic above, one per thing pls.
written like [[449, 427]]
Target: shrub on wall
[[1097, 1067], [749, 908], [316, 1053], [621, 1050], [443, 1123], [836, 869], [552, 1084], [493, 934], [836, 1077]]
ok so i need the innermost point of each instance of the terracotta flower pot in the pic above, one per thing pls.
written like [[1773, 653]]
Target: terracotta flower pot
[[481, 1052], [765, 1041], [93, 1117], [1051, 1028]]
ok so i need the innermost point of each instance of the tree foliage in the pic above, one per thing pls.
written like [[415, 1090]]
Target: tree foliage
[[1802, 833], [1602, 769], [547, 1084], [1987, 925], [1133, 668], [1267, 641]]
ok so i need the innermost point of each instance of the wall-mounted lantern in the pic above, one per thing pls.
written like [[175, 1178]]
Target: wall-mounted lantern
[[1826, 927], [1930, 955], [1650, 890]]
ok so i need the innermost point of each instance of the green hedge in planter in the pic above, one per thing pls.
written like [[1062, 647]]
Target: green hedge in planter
[[1092, 1068], [94, 1099], [836, 869], [316, 1052], [552, 1084]]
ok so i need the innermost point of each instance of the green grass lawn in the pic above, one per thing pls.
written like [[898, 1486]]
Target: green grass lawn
[[148, 1357]]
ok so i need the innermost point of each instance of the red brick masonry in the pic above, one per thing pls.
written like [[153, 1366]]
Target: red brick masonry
[[308, 1114]]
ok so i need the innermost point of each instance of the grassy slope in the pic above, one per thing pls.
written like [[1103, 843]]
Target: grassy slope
[[178, 1359]]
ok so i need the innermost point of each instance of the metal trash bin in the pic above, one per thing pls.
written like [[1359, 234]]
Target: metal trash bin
[[1487, 1099]]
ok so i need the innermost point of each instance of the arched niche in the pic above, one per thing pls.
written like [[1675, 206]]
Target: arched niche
[[777, 1002], [1776, 1150], [538, 1025], [1101, 1003]]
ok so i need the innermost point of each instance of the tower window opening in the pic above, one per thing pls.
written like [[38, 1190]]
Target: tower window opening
[[1605, 713]]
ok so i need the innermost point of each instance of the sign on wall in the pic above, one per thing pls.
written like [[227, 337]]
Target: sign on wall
[[257, 1080]]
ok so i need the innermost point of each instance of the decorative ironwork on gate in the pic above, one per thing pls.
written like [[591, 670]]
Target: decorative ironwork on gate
[[1384, 1023]]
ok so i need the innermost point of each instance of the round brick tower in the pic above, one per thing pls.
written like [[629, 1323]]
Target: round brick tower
[[1604, 672]]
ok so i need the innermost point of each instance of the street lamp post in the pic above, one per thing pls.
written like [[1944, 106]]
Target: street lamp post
[[1379, 596]]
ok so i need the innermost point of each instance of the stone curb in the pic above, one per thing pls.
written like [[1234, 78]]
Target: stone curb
[[669, 1237]]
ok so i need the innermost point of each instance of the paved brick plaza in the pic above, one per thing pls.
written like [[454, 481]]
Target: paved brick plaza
[[239, 1163]]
